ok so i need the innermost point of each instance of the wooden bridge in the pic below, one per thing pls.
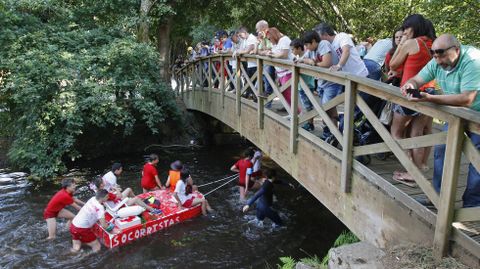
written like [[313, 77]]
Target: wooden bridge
[[364, 197]]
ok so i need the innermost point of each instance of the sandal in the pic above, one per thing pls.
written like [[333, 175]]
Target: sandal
[[405, 181]]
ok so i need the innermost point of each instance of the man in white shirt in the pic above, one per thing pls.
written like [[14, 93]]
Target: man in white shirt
[[81, 227], [110, 182], [249, 48], [349, 59], [375, 58]]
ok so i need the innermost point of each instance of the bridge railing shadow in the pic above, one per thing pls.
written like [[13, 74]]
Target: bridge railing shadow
[[213, 74]]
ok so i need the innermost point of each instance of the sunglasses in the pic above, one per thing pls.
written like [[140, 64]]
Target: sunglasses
[[440, 51]]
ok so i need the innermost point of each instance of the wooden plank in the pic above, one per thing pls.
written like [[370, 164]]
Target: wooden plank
[[284, 102], [210, 83], [397, 150], [238, 86], [471, 152], [294, 108], [467, 214], [323, 114], [449, 185], [347, 150], [261, 101], [339, 99], [222, 79], [407, 143], [249, 81], [466, 242]]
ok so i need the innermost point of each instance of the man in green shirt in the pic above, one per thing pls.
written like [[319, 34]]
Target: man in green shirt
[[456, 69]]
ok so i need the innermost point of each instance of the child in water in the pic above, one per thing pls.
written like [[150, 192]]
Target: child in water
[[265, 199]]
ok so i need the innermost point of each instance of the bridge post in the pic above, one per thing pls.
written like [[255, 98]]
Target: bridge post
[[238, 86], [347, 151], [294, 109], [261, 94], [222, 79], [451, 168], [210, 84], [194, 76]]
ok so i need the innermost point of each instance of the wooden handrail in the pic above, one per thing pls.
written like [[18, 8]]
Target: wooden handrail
[[459, 119]]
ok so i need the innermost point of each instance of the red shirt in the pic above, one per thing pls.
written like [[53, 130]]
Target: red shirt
[[148, 178], [415, 62], [60, 200], [242, 166]]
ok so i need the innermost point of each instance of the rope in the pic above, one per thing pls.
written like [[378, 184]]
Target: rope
[[220, 186], [206, 184]]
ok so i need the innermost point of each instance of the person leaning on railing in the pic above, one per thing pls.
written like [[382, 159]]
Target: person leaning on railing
[[456, 68]]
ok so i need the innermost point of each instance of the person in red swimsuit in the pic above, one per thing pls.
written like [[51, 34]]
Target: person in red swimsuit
[[57, 204], [245, 169], [414, 53], [150, 180]]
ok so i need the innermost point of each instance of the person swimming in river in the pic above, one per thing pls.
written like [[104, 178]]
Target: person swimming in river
[[184, 194], [264, 199], [244, 167], [56, 206]]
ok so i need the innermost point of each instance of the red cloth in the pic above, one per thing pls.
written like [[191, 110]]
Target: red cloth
[[415, 62], [242, 166], [148, 178], [60, 200], [112, 197], [85, 235], [188, 203]]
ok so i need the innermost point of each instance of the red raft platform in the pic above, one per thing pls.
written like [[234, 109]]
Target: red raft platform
[[146, 224]]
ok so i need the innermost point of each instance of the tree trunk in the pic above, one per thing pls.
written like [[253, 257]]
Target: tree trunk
[[143, 27], [163, 46]]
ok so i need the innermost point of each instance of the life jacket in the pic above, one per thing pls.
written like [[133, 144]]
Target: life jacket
[[174, 177]]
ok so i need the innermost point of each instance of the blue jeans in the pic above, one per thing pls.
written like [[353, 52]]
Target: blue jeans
[[374, 69], [271, 71], [330, 92], [304, 99], [471, 196], [266, 211]]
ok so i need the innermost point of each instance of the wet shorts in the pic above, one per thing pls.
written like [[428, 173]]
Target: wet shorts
[[49, 214], [188, 203], [85, 235]]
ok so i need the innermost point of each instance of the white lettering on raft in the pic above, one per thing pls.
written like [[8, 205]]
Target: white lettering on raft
[[141, 232]]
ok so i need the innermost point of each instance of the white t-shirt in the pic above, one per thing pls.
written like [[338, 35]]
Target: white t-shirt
[[354, 64], [379, 51], [251, 40], [110, 181], [180, 189], [90, 213], [323, 48], [258, 161], [283, 44]]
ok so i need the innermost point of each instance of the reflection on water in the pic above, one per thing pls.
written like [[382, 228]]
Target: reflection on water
[[224, 240]]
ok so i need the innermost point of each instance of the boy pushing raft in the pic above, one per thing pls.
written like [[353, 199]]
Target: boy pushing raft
[[56, 206]]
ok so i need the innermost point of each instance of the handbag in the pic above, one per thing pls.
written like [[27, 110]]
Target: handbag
[[386, 116]]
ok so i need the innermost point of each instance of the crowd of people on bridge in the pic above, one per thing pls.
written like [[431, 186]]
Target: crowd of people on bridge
[[427, 68]]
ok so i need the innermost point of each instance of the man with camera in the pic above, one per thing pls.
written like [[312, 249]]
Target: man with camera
[[456, 69]]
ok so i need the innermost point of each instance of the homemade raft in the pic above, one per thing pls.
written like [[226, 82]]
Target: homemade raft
[[135, 227]]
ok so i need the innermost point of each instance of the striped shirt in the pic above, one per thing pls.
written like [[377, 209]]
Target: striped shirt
[[464, 77]]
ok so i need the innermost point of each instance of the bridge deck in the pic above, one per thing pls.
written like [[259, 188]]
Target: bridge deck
[[366, 198]]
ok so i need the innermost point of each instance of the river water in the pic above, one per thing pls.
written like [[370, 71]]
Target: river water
[[224, 240]]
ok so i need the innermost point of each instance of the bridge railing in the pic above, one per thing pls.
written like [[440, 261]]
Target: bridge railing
[[206, 74]]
